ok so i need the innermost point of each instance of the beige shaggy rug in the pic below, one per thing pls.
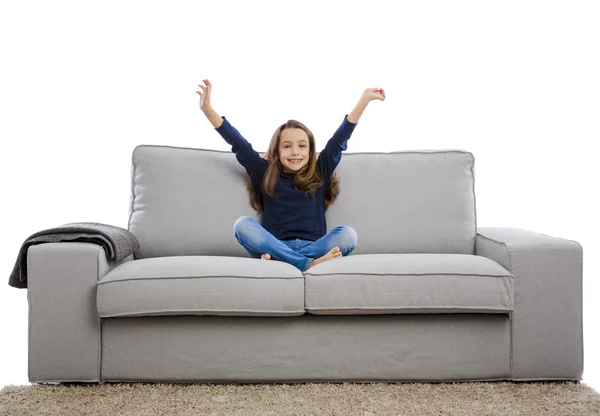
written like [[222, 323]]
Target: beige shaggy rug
[[356, 399]]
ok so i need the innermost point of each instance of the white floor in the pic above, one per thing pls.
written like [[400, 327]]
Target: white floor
[[13, 357]]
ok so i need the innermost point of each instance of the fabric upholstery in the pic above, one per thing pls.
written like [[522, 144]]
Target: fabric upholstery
[[362, 284], [425, 296], [202, 285], [307, 348], [64, 326], [185, 201], [547, 322], [409, 283]]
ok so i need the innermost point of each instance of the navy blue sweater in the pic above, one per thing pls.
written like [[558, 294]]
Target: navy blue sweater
[[292, 213]]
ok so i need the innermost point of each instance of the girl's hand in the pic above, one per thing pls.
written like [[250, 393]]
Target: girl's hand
[[205, 96], [374, 94]]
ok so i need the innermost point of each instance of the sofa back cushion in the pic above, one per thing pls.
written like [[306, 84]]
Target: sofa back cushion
[[185, 201]]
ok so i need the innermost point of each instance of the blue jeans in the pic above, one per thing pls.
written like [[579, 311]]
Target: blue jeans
[[299, 253]]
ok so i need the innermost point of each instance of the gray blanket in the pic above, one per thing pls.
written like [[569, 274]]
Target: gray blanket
[[118, 243]]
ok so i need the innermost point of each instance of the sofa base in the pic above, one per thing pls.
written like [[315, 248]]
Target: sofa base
[[307, 348]]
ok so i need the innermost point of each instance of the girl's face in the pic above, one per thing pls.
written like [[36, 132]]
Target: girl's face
[[294, 149]]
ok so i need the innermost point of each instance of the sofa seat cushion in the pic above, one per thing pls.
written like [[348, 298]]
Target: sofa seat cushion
[[408, 283], [201, 285]]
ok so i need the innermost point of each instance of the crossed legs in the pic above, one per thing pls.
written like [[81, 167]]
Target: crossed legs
[[302, 254]]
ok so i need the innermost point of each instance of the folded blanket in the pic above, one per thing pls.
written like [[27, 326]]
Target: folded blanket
[[118, 243]]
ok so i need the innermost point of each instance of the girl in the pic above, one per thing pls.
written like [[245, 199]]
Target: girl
[[292, 187]]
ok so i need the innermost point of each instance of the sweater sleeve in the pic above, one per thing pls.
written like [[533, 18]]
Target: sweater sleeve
[[331, 155], [249, 158]]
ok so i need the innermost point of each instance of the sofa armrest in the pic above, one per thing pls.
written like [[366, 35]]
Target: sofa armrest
[[547, 320], [64, 325]]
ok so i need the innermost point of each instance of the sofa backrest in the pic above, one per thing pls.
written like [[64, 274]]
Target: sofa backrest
[[185, 201]]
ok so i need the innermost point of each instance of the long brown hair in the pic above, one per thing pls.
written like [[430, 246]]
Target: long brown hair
[[307, 178]]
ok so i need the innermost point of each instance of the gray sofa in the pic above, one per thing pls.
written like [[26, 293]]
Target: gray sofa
[[425, 296]]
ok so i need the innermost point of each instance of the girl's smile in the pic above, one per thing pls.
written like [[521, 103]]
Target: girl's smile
[[294, 149]]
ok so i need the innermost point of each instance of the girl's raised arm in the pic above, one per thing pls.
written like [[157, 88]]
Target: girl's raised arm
[[212, 116], [245, 154]]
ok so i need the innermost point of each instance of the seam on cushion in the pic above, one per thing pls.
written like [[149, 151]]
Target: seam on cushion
[[327, 308], [179, 311], [207, 311], [421, 293], [104, 282], [411, 274], [305, 293], [345, 154]]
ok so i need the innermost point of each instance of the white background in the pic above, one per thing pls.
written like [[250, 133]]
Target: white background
[[514, 82]]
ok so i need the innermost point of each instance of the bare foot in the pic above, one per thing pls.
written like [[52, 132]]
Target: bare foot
[[333, 254], [266, 256]]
